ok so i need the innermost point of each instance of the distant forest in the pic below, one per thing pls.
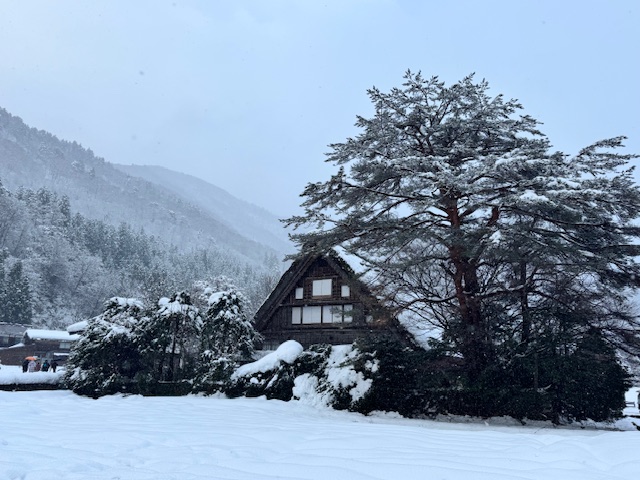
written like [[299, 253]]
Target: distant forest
[[58, 267]]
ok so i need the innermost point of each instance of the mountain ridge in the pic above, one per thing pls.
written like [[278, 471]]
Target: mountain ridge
[[262, 226], [32, 158]]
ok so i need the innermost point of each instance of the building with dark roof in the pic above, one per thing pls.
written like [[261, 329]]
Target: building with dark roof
[[320, 299]]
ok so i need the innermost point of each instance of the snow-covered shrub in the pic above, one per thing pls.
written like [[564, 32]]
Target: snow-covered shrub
[[396, 381], [213, 373], [333, 376], [342, 382], [163, 350], [107, 359], [275, 375], [272, 375]]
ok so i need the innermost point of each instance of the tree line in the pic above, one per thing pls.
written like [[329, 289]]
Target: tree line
[[189, 342], [58, 267]]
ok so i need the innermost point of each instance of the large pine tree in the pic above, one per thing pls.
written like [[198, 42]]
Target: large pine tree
[[468, 219]]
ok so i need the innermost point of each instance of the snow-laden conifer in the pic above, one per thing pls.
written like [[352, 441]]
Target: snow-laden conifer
[[465, 217], [107, 359], [227, 336], [226, 329], [170, 337]]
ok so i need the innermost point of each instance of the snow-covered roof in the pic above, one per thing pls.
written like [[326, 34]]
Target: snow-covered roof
[[77, 327], [12, 329], [36, 334]]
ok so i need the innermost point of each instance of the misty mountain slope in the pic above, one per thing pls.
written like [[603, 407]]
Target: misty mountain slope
[[34, 158], [248, 219]]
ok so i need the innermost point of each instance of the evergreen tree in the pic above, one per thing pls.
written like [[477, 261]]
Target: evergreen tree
[[170, 337], [3, 289], [226, 330], [226, 336], [73, 263], [469, 220], [65, 209], [107, 358], [17, 296]]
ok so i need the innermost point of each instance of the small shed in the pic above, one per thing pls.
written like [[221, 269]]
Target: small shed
[[320, 299]]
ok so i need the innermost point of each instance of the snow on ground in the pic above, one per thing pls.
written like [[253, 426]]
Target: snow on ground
[[10, 374], [58, 435]]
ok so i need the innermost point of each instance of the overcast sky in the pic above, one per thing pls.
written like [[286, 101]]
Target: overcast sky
[[248, 94]]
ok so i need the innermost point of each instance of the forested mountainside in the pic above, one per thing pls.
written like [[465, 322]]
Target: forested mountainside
[[249, 220], [31, 158], [57, 266], [75, 230]]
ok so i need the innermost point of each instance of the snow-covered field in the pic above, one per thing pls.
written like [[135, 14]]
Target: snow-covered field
[[47, 435]]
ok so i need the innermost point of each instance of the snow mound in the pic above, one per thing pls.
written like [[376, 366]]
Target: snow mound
[[288, 352], [13, 375]]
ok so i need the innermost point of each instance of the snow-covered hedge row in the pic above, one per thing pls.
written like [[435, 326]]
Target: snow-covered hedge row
[[186, 343], [384, 375], [325, 375]]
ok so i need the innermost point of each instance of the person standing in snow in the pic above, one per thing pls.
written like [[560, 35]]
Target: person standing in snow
[[45, 366], [25, 365], [54, 365], [37, 369], [32, 366]]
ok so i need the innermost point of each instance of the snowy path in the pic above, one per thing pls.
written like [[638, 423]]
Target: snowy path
[[49, 435]]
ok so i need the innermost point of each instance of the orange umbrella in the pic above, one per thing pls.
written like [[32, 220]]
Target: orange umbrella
[[31, 358]]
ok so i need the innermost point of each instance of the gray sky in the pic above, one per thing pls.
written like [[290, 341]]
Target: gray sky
[[248, 94]]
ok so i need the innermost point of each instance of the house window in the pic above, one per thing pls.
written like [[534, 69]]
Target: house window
[[296, 315], [315, 314], [321, 288], [345, 291], [299, 293], [328, 312], [312, 315], [348, 314]]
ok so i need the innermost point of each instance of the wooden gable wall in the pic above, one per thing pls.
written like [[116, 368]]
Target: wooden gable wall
[[276, 321]]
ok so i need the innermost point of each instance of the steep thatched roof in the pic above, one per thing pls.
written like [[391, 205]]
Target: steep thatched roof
[[297, 270]]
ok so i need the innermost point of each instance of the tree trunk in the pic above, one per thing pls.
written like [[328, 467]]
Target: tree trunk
[[475, 345], [173, 350], [524, 304]]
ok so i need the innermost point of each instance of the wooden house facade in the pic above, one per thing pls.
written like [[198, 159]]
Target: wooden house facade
[[44, 344], [319, 299]]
